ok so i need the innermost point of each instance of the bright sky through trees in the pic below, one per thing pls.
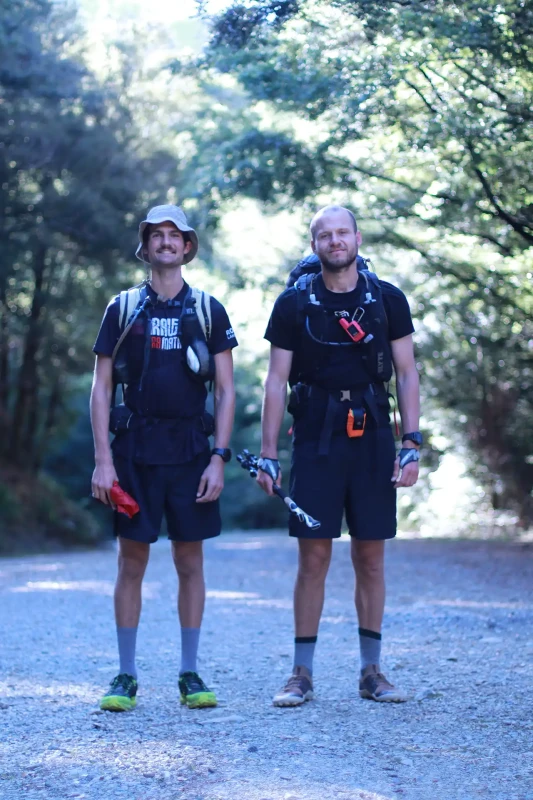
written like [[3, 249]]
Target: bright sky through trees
[[168, 10], [187, 8]]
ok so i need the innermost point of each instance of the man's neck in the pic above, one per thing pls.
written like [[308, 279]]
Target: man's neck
[[167, 283], [341, 282]]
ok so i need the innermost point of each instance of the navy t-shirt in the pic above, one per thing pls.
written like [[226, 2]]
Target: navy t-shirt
[[340, 368], [160, 390]]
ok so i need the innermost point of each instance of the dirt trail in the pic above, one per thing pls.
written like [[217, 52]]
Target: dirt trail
[[458, 636]]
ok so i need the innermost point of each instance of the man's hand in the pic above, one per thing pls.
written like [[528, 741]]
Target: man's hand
[[409, 474], [102, 482], [211, 482], [265, 479]]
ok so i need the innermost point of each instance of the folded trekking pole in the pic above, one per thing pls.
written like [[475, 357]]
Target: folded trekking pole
[[249, 462]]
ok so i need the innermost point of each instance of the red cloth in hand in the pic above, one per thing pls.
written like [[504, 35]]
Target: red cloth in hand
[[123, 501]]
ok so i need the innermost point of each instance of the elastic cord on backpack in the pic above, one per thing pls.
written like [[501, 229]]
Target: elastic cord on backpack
[[321, 341]]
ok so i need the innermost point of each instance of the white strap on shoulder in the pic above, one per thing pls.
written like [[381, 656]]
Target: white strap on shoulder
[[203, 310], [128, 302]]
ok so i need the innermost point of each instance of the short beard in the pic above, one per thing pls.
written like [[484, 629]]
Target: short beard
[[338, 266]]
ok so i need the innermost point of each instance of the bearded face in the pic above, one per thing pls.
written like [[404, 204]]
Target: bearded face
[[336, 260], [336, 242]]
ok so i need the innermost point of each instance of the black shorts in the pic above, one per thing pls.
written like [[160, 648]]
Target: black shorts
[[169, 491], [354, 478]]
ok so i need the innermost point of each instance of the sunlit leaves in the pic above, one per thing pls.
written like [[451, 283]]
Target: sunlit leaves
[[424, 109]]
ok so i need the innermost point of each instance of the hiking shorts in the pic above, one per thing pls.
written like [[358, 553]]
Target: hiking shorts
[[166, 490], [353, 479]]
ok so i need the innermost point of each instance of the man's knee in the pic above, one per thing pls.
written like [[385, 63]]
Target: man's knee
[[368, 559], [314, 559], [132, 559], [188, 559]]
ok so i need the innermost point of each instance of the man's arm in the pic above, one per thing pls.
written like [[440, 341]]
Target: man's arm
[[104, 472], [407, 387], [212, 480], [274, 401]]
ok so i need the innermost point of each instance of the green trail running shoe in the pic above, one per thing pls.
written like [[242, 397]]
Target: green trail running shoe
[[194, 693], [122, 695]]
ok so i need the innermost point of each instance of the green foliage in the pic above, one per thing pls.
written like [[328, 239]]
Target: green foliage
[[447, 85], [36, 515], [418, 115], [71, 186]]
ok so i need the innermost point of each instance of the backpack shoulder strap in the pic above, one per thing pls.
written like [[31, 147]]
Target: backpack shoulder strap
[[203, 310], [303, 287], [129, 300], [372, 279]]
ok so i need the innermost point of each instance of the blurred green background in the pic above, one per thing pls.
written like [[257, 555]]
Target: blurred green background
[[252, 115]]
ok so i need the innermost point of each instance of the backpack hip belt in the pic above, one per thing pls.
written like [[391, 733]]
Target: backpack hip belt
[[356, 401]]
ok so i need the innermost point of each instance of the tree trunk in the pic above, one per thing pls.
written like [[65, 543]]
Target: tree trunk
[[53, 407], [4, 376], [25, 415]]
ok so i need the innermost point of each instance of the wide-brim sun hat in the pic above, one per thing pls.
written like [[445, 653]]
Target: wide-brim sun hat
[[168, 213]]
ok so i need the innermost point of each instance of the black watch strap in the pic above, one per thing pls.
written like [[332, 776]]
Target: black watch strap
[[223, 452], [415, 437]]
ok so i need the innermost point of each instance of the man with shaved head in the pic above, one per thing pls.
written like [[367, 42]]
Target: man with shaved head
[[336, 337]]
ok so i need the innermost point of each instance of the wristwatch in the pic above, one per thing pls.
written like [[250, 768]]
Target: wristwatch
[[223, 452], [415, 437]]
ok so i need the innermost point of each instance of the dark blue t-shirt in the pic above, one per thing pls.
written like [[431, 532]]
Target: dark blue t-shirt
[[160, 389]]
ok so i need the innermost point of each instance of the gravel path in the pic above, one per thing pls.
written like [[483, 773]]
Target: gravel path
[[458, 637]]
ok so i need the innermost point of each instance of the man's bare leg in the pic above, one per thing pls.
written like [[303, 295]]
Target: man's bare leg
[[188, 559], [189, 563], [369, 564], [313, 563], [132, 560]]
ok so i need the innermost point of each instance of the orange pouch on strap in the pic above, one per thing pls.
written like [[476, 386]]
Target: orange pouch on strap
[[355, 423]]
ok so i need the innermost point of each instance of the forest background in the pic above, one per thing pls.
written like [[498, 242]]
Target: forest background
[[414, 113]]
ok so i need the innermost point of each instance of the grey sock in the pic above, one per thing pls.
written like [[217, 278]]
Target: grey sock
[[304, 650], [127, 638], [370, 647], [190, 638]]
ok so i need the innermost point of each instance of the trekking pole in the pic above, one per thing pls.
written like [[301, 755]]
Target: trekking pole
[[249, 462]]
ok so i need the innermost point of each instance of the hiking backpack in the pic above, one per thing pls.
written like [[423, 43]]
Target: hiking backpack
[[196, 321], [302, 278]]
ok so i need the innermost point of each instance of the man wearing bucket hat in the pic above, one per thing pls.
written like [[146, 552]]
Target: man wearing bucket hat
[[162, 341]]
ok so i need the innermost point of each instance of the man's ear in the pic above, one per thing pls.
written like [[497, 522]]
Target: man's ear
[[313, 248], [187, 247], [358, 238]]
